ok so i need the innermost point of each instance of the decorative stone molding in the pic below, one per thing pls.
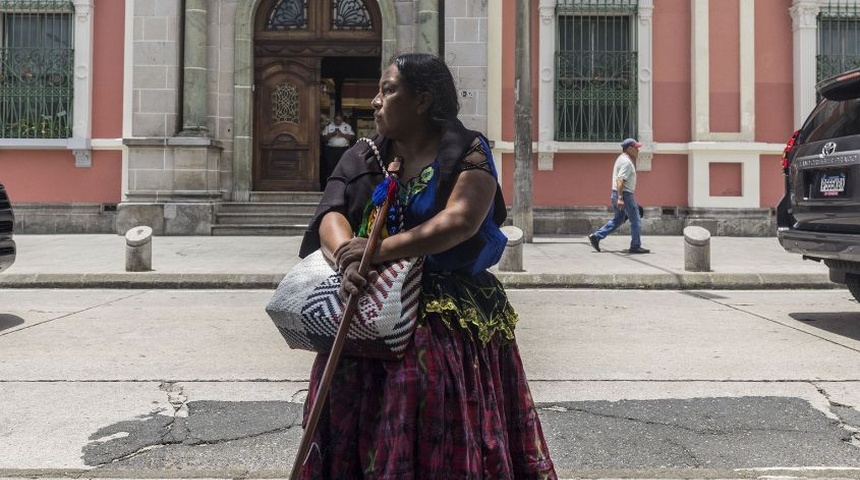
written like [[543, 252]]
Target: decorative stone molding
[[547, 12], [546, 155], [83, 158], [804, 14]]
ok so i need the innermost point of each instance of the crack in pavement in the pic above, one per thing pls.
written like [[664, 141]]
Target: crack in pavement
[[191, 424]]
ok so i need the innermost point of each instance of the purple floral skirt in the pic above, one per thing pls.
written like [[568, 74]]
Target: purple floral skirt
[[456, 406]]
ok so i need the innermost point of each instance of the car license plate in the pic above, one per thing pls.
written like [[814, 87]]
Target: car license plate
[[832, 185]]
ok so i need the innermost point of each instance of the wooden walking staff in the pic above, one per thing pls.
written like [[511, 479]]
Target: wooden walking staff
[[373, 240]]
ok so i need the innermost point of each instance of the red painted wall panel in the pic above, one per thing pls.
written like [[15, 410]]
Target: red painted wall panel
[[771, 183], [109, 32], [33, 176], [725, 66], [586, 180], [774, 109], [665, 184], [725, 179], [671, 71]]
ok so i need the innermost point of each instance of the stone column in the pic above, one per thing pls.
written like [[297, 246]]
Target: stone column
[[701, 121], [546, 86], [83, 84], [194, 87], [804, 26], [645, 113], [428, 26]]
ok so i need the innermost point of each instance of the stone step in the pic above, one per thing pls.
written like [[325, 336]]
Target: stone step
[[263, 218], [306, 208], [258, 230], [285, 197]]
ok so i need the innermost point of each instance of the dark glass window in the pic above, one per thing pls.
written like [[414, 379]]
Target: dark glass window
[[289, 15], [832, 119], [350, 15]]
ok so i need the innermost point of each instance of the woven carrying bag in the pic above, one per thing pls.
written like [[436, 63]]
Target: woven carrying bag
[[307, 309]]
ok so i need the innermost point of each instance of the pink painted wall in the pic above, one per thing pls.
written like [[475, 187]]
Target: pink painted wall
[[771, 183], [509, 33], [50, 176], [774, 109], [576, 179], [724, 61], [671, 71], [725, 179], [586, 180], [33, 176], [774, 105], [665, 184], [108, 58]]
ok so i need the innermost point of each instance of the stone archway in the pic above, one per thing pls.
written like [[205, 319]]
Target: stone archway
[[243, 75]]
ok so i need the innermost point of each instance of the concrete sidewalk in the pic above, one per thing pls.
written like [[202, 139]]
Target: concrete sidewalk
[[98, 261]]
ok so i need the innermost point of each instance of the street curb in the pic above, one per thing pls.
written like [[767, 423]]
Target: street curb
[[667, 281], [512, 280]]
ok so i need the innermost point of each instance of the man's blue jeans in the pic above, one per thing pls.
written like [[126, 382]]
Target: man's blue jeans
[[631, 212]]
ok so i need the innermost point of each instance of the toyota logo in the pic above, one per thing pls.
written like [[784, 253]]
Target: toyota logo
[[828, 149]]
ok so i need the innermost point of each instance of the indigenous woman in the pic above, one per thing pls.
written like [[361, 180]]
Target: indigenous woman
[[457, 405]]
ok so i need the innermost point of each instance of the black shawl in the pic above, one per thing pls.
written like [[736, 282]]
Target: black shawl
[[358, 173]]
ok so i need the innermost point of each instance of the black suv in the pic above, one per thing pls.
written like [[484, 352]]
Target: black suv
[[7, 227], [819, 216]]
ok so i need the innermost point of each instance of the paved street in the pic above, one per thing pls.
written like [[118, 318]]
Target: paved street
[[630, 383]]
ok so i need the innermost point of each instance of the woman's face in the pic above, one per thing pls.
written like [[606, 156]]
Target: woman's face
[[396, 108]]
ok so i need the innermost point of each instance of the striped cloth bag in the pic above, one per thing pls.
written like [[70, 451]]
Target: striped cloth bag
[[307, 309]]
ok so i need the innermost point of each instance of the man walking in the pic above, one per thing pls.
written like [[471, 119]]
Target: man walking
[[623, 203]]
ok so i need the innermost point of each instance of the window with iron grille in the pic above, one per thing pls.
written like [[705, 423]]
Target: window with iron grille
[[36, 68], [838, 38], [596, 70]]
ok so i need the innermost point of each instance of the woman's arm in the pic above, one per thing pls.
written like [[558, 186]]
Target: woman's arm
[[334, 231]]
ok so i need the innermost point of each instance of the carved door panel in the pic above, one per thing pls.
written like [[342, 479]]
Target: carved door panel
[[286, 124]]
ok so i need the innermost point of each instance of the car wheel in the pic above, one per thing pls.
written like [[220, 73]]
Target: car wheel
[[853, 283]]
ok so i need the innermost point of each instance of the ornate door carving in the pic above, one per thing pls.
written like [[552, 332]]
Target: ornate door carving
[[286, 124]]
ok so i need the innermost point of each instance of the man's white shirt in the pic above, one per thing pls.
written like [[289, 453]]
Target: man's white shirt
[[337, 141]]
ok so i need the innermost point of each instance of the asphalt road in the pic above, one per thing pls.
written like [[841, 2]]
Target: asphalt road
[[631, 384]]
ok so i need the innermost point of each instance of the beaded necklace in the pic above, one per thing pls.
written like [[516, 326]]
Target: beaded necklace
[[389, 187]]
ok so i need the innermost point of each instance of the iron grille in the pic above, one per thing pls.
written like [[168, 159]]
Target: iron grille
[[838, 38], [36, 63], [596, 71], [597, 7]]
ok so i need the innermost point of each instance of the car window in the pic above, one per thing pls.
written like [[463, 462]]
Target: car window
[[832, 119]]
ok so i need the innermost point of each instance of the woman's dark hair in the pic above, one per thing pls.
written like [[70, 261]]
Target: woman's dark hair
[[423, 72]]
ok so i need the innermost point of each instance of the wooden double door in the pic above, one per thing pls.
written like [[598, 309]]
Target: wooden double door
[[292, 39]]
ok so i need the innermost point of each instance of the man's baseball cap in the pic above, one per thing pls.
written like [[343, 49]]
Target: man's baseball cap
[[631, 142]]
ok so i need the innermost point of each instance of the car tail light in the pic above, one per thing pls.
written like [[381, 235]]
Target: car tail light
[[787, 150]]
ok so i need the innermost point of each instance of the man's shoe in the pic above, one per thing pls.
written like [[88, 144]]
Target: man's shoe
[[639, 250], [595, 242]]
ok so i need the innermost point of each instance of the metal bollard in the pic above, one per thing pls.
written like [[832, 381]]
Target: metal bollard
[[138, 249], [512, 257], [697, 249]]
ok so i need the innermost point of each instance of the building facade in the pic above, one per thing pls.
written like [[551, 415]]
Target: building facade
[[201, 117]]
